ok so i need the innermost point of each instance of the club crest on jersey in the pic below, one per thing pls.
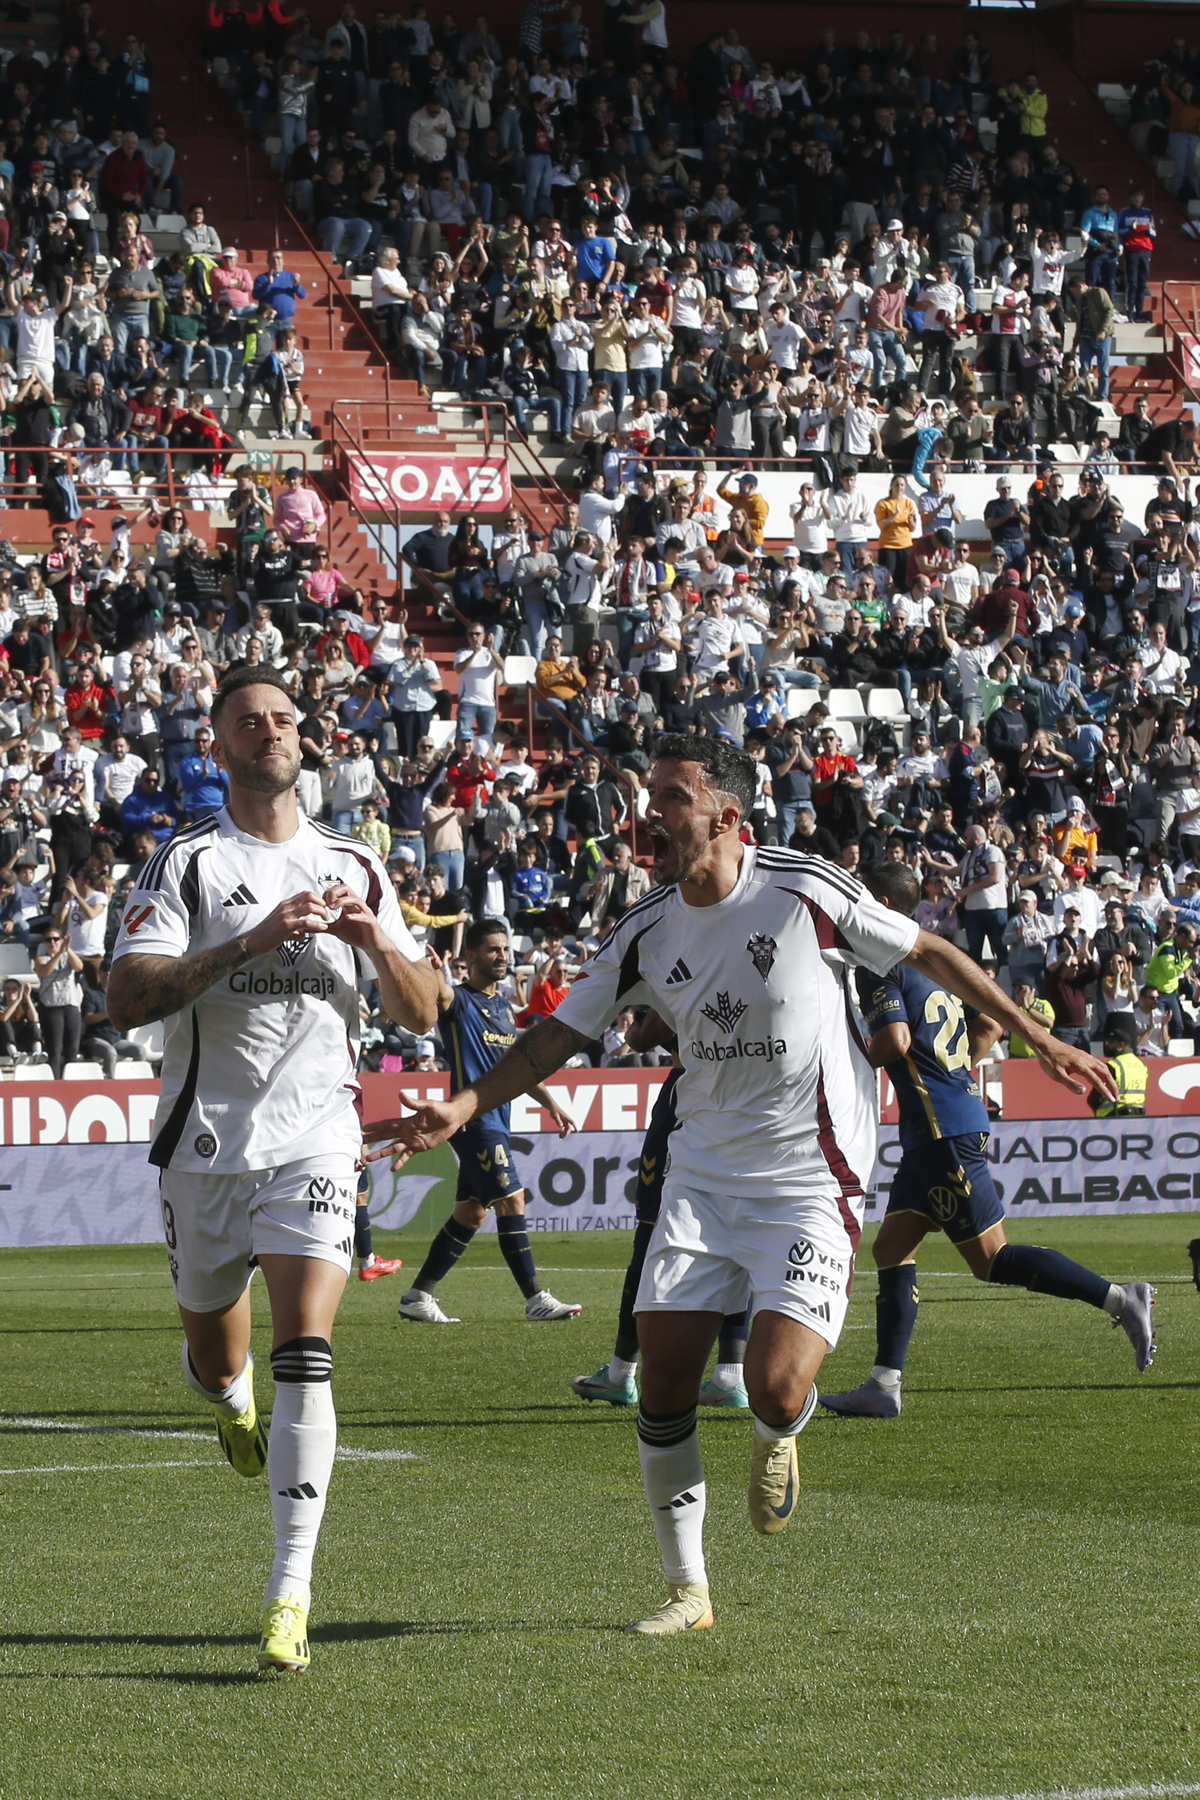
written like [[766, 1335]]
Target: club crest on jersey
[[762, 952], [292, 949], [725, 1013]]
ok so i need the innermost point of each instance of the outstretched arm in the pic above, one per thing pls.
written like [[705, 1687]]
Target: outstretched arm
[[950, 969], [539, 1053]]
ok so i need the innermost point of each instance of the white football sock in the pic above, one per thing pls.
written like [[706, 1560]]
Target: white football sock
[[770, 1434], [1114, 1301], [232, 1401], [300, 1453], [674, 1478], [619, 1370], [727, 1376], [884, 1377]]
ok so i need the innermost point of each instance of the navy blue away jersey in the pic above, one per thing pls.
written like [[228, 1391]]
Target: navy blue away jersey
[[475, 1033], [938, 1095]]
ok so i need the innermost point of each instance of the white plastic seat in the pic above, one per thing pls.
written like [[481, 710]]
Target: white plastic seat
[[133, 1071], [519, 671], [845, 703], [441, 733], [83, 1071], [1179, 1047], [885, 703], [14, 960], [147, 1037], [33, 1072]]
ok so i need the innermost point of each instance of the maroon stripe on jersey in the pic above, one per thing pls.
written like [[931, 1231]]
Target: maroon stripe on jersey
[[374, 885], [851, 1021], [828, 935], [839, 1168]]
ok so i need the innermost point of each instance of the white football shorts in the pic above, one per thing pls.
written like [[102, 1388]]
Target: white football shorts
[[720, 1252], [216, 1226]]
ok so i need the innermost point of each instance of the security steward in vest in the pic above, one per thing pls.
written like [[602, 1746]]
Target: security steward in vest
[[1129, 1071]]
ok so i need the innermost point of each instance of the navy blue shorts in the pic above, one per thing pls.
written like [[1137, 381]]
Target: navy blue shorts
[[652, 1165], [486, 1170], [950, 1184]]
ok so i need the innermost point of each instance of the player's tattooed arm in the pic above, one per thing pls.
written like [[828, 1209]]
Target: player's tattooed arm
[[144, 988], [545, 1048]]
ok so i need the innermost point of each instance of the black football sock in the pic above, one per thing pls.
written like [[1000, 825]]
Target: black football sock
[[514, 1248], [626, 1346], [444, 1252], [731, 1340], [362, 1235], [1048, 1272], [895, 1315]]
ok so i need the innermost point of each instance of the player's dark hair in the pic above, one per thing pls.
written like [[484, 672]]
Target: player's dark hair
[[480, 930], [892, 882], [249, 675], [728, 771]]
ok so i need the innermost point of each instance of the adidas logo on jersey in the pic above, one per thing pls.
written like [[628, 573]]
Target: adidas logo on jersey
[[679, 973], [241, 896]]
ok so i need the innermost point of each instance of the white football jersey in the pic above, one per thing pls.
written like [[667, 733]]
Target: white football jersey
[[259, 1071], [777, 1098]]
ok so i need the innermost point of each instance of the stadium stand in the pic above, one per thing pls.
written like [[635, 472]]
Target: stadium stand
[[525, 388]]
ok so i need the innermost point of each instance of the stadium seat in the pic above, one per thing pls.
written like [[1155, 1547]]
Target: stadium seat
[[14, 960], [33, 1072], [885, 703], [133, 1071], [519, 671], [441, 732], [1180, 1047], [799, 699], [845, 703], [83, 1071], [149, 1037]]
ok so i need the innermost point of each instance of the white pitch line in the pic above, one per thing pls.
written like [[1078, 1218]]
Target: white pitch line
[[188, 1437], [105, 1468], [1153, 1790]]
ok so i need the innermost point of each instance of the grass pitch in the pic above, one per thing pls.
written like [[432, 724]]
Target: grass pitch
[[995, 1595]]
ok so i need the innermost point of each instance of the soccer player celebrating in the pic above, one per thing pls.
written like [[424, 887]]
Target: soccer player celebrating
[[921, 1036], [246, 934], [746, 952], [616, 1380], [477, 1026]]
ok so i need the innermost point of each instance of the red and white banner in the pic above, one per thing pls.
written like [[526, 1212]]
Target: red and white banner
[[75, 1167], [426, 481]]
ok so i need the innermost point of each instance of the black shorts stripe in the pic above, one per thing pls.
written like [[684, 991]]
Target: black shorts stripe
[[167, 1141]]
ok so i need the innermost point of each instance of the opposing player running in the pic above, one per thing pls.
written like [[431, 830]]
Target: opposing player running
[[477, 1026], [246, 935], [921, 1036], [747, 953], [616, 1381]]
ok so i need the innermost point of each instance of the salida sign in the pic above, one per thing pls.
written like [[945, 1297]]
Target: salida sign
[[457, 483]]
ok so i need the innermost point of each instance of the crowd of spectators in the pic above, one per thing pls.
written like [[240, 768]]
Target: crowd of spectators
[[545, 216]]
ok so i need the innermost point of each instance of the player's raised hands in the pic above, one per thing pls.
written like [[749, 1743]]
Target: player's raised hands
[[303, 915], [350, 918], [431, 1123]]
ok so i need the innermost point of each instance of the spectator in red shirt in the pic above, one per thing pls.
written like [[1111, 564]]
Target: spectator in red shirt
[[994, 610], [86, 702], [124, 183], [470, 774], [835, 776], [339, 627]]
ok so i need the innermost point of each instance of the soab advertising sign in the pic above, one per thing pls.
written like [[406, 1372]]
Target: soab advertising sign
[[425, 480]]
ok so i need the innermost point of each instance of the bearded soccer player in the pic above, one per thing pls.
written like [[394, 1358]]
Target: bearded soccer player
[[246, 935], [747, 953]]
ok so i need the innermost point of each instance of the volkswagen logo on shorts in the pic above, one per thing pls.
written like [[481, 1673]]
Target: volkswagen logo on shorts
[[944, 1201], [321, 1188], [801, 1254], [206, 1144]]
